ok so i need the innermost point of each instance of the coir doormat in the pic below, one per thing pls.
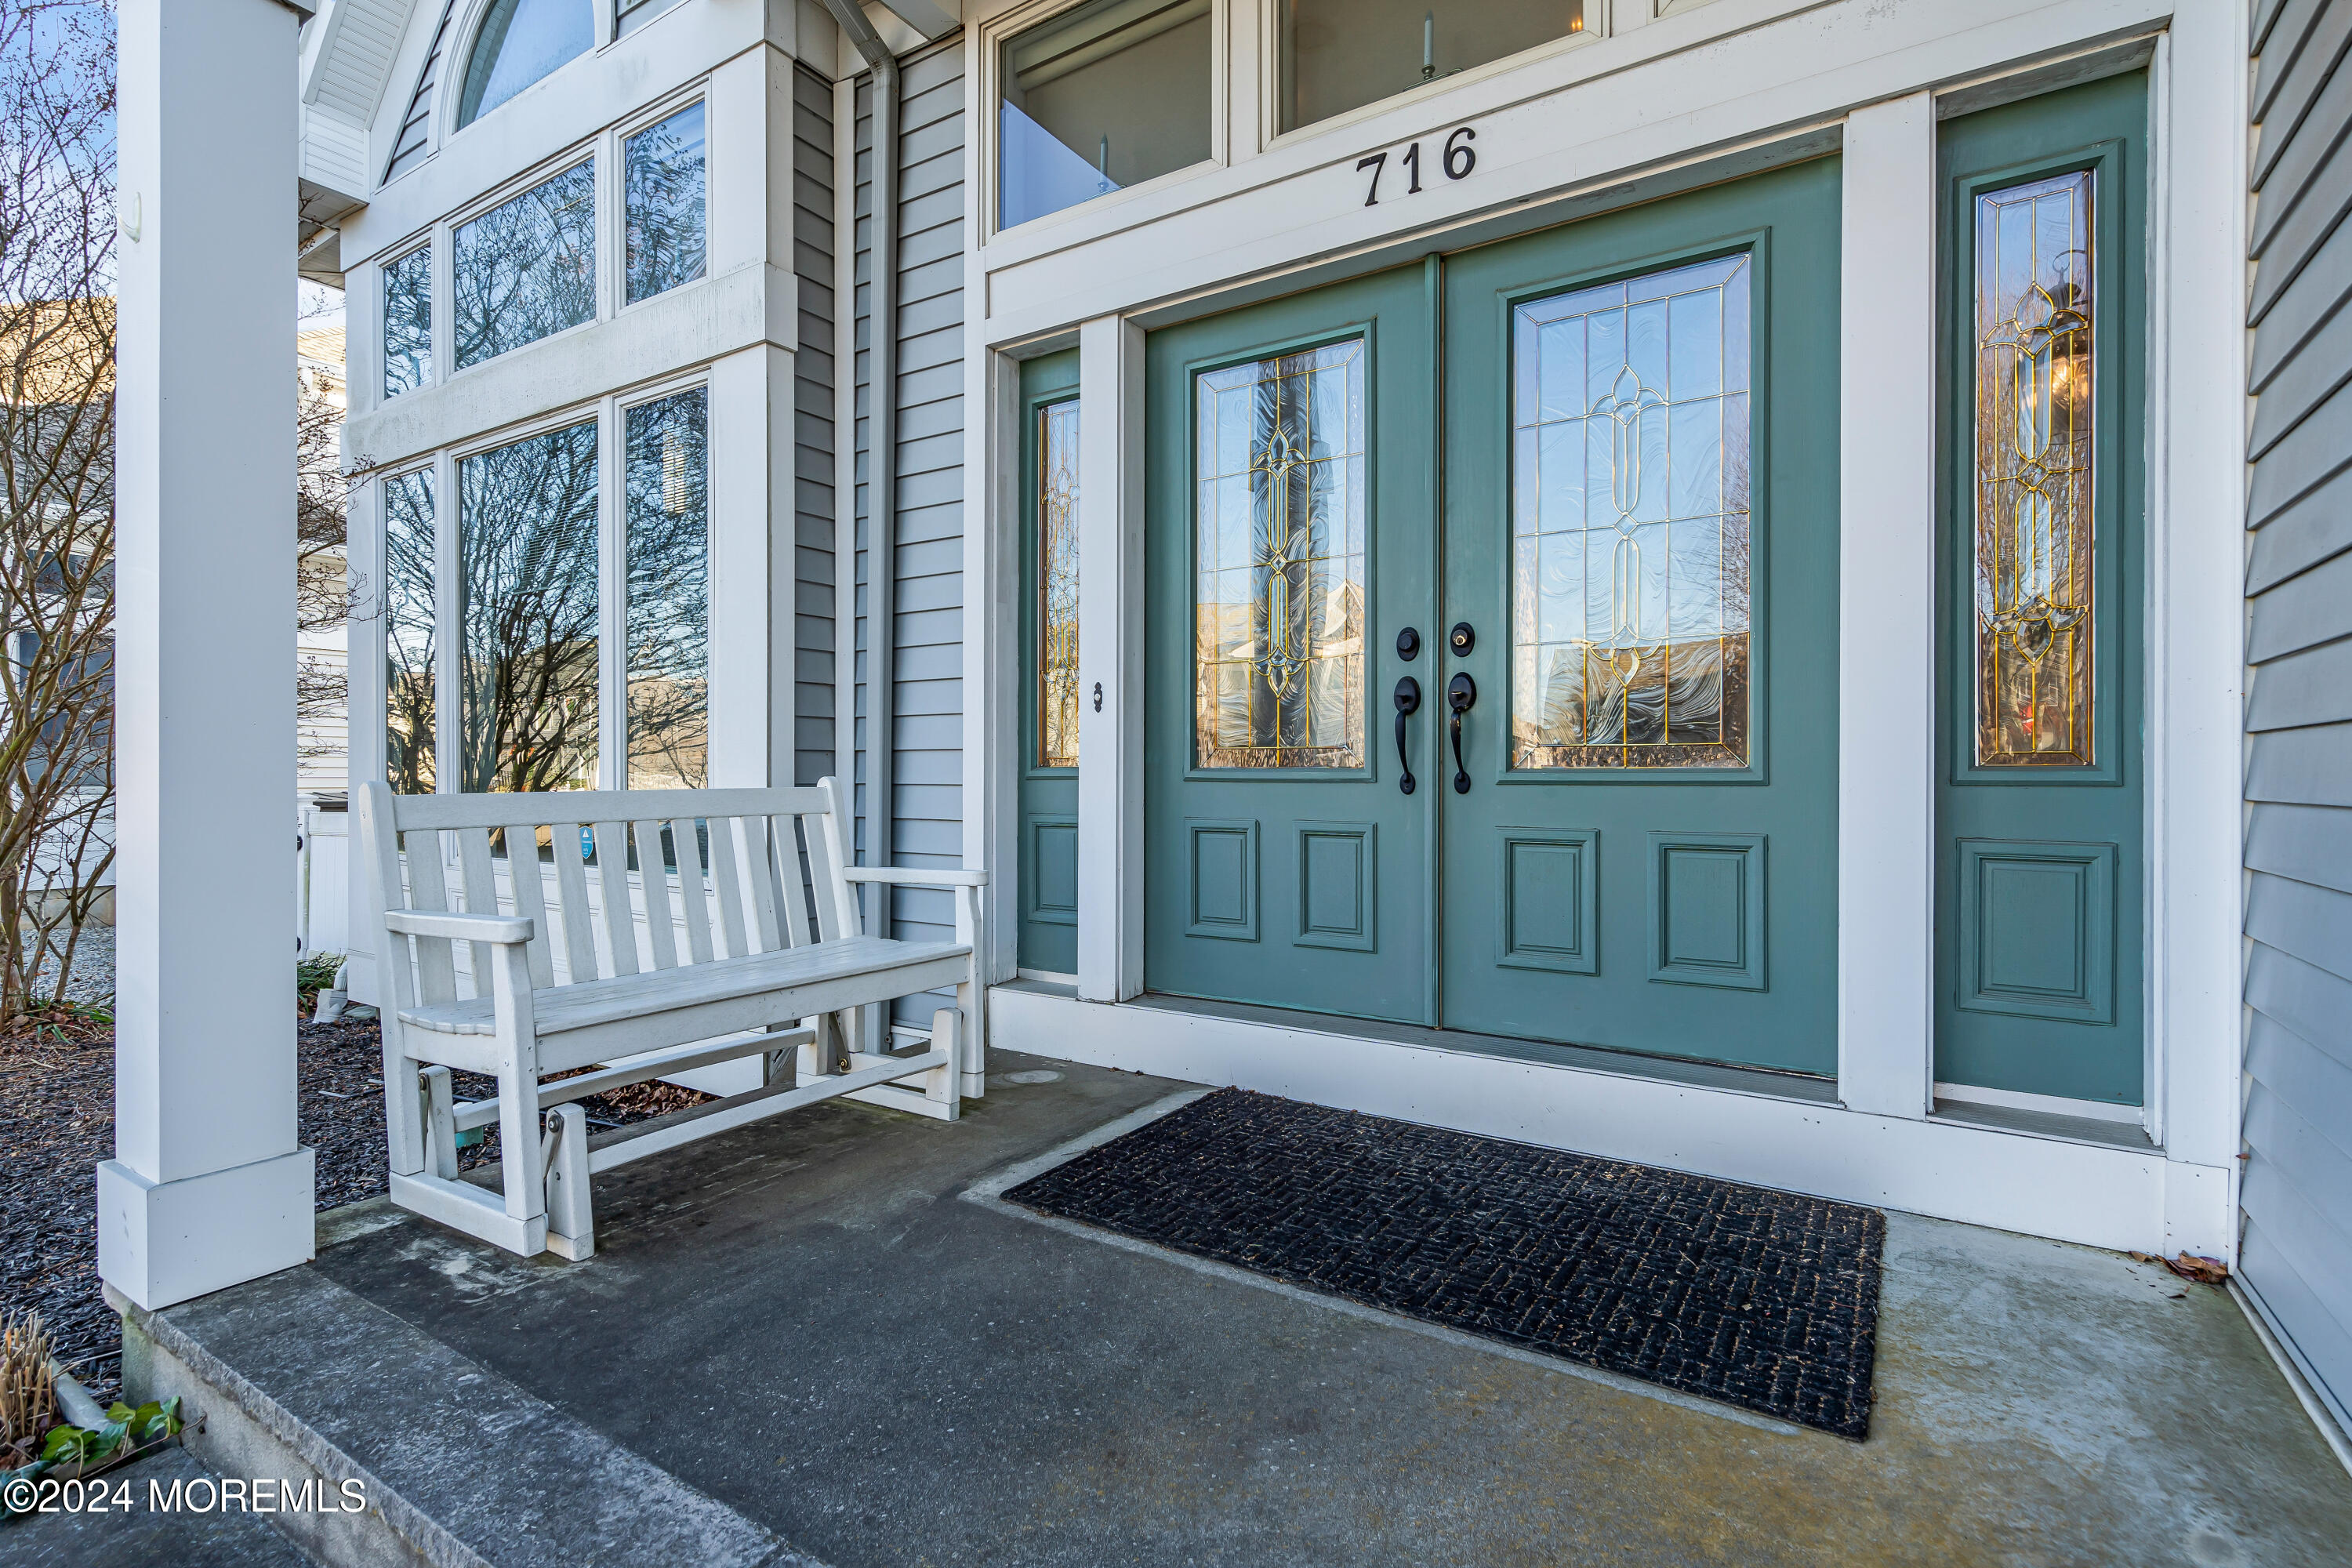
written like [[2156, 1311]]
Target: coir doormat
[[1760, 1299]]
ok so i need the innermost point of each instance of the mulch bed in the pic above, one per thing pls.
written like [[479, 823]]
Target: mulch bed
[[57, 1122]]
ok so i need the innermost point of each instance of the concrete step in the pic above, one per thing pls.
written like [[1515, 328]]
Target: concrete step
[[295, 1378]]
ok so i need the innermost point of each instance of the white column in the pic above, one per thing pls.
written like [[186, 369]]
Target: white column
[[1110, 659], [1886, 631], [207, 1187], [2196, 650]]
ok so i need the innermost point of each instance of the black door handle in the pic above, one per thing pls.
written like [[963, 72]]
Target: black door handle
[[1461, 695], [1408, 703]]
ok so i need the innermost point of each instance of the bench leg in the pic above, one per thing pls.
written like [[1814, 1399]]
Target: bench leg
[[943, 1086], [403, 1107], [570, 1219], [440, 1124]]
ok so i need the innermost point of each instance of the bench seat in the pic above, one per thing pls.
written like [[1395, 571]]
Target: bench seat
[[590, 1002]]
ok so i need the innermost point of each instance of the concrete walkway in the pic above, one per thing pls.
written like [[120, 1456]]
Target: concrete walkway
[[803, 1327]]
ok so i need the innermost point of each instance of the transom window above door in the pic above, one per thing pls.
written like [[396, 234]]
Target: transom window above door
[[1629, 570], [1339, 54], [1098, 99], [1279, 551]]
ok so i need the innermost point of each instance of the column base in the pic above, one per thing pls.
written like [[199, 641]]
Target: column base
[[165, 1242]]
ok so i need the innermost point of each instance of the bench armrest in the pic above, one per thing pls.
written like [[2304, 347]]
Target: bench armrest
[[458, 927], [911, 876]]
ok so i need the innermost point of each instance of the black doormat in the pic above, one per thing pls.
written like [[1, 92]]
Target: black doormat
[[1760, 1299]]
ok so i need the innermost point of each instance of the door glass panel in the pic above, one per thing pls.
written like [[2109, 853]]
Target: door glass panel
[[2033, 544], [1630, 531], [1057, 585], [1279, 547]]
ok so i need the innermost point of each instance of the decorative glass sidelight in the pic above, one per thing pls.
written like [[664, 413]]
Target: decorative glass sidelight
[[1057, 584], [1279, 548], [2032, 539], [1630, 621]]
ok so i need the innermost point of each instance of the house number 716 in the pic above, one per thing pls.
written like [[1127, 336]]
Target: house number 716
[[1458, 159]]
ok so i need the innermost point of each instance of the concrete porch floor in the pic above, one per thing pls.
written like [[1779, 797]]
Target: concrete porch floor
[[795, 1339]]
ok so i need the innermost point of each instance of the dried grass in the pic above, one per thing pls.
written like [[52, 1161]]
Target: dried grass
[[27, 1389]]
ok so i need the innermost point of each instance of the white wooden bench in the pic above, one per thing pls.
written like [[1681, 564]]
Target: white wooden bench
[[736, 936]]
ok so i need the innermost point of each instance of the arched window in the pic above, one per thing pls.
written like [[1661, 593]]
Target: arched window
[[519, 42]]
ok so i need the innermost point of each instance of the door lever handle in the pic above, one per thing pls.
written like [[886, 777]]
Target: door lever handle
[[1461, 695], [1408, 703]]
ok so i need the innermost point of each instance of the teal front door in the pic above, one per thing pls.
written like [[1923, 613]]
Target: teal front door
[[1289, 535], [1640, 842], [1593, 620]]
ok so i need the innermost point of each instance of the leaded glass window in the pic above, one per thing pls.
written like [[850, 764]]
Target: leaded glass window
[[1057, 584], [1280, 537], [1630, 622], [667, 543], [409, 643], [2032, 539], [528, 614]]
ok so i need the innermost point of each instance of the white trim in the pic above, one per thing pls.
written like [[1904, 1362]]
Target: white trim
[[1886, 621], [1110, 658], [2067, 1189], [2046, 1104]]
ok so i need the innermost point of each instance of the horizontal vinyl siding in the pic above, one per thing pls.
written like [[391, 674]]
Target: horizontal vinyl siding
[[812, 431], [2297, 1249], [927, 567]]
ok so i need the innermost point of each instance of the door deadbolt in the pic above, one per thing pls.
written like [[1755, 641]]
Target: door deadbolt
[[1461, 638]]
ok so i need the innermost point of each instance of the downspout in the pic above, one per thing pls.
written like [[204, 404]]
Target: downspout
[[881, 470]]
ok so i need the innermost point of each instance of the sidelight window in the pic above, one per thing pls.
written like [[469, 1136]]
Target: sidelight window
[[1100, 98], [1279, 542], [1630, 621], [2034, 542], [1339, 54], [1057, 584]]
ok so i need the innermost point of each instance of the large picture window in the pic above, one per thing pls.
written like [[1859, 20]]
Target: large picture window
[[571, 606], [526, 268], [527, 615], [1100, 98]]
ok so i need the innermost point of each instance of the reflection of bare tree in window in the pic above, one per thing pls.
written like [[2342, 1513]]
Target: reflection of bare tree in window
[[408, 321], [527, 268], [408, 640], [669, 545], [526, 608], [663, 175]]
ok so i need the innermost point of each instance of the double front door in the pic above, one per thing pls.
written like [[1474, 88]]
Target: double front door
[[1492, 637]]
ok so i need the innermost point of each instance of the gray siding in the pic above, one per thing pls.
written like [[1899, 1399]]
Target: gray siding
[[926, 804], [2297, 1255], [813, 432]]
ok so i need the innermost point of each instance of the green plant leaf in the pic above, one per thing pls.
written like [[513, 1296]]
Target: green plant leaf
[[118, 1411]]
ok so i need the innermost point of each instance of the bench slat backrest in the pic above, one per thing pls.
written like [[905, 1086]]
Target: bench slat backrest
[[751, 867]]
